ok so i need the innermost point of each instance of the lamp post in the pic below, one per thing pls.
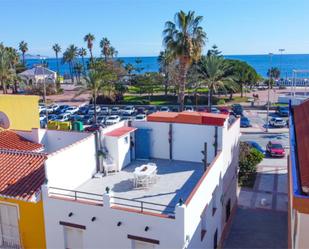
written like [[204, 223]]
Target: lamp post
[[281, 50], [44, 88], [268, 94]]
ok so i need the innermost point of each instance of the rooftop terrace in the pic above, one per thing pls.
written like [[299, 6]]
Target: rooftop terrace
[[175, 180]]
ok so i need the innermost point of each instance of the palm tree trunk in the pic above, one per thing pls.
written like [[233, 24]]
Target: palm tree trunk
[[57, 63], [182, 84], [84, 71], [95, 107], [241, 90], [210, 93], [23, 58]]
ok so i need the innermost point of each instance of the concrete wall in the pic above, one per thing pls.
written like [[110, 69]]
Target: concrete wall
[[104, 232], [187, 140], [73, 165]]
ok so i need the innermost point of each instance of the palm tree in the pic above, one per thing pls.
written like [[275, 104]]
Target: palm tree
[[105, 47], [184, 39], [165, 60], [89, 38], [69, 56], [4, 67], [57, 49], [82, 53], [23, 47], [94, 85], [113, 52], [213, 70]]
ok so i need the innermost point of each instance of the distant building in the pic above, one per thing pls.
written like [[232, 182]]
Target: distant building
[[38, 75], [299, 177], [168, 182]]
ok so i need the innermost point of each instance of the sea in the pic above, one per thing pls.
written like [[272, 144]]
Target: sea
[[285, 62]]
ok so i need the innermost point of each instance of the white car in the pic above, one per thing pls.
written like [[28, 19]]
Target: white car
[[72, 110], [104, 110], [42, 108], [277, 122], [63, 117], [114, 119], [164, 109], [140, 117], [91, 110], [54, 107], [189, 109], [129, 110], [115, 110]]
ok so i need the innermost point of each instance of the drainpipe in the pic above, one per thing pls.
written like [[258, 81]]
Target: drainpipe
[[170, 140], [204, 152], [97, 148], [216, 141]]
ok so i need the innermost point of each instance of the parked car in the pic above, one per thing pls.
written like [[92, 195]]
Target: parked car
[[202, 109], [224, 111], [62, 109], [245, 122], [101, 119], [49, 109], [256, 146], [54, 107], [128, 110], [115, 110], [277, 122], [104, 110], [52, 117], [76, 117], [93, 128], [113, 119], [140, 117], [63, 117], [87, 119], [42, 108], [237, 109], [72, 110], [283, 111], [151, 109], [164, 109], [275, 149], [126, 116], [215, 110], [83, 110], [91, 109], [141, 110]]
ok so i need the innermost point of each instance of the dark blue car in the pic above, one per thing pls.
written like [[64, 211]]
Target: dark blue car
[[245, 122]]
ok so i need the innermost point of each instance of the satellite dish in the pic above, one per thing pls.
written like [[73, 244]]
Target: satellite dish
[[4, 121]]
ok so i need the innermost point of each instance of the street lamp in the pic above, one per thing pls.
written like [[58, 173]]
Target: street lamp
[[268, 94], [281, 50]]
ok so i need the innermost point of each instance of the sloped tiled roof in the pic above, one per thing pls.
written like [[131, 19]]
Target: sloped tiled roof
[[301, 122], [201, 118], [21, 173], [13, 141]]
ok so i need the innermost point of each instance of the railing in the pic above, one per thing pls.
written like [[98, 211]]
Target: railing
[[144, 206], [75, 195]]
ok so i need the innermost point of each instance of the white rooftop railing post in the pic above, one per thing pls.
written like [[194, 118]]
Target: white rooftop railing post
[[180, 217], [107, 198]]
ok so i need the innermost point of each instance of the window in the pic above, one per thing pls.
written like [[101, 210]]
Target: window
[[9, 231], [214, 202], [73, 237], [216, 239], [203, 223], [142, 245]]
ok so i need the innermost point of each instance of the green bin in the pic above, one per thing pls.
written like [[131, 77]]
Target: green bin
[[78, 126]]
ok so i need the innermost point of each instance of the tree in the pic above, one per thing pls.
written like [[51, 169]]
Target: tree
[[184, 39], [82, 52], [4, 68], [57, 49], [78, 69], [105, 47], [213, 69], [274, 74], [242, 72], [69, 56], [89, 38], [165, 60], [148, 82], [113, 52], [23, 47], [138, 67], [214, 51]]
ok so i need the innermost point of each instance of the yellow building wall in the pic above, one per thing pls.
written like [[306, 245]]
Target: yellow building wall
[[22, 111], [31, 223]]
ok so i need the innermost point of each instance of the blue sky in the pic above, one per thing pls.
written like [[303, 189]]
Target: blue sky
[[135, 27]]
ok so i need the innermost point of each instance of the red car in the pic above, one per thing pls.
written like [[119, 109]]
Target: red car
[[275, 149], [224, 110]]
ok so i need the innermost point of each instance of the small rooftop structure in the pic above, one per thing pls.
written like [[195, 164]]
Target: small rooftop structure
[[119, 132], [201, 118], [39, 74], [21, 173], [11, 140]]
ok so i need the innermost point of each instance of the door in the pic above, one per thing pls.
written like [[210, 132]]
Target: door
[[142, 143], [73, 238], [216, 239], [142, 245], [9, 230], [228, 210]]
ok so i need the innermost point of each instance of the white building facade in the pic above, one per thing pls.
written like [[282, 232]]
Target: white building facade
[[189, 205]]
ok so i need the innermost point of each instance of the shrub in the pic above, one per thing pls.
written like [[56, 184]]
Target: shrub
[[221, 102], [249, 158]]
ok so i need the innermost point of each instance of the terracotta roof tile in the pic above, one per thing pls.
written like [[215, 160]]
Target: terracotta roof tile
[[202, 118], [21, 173], [13, 141], [120, 131], [301, 121]]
